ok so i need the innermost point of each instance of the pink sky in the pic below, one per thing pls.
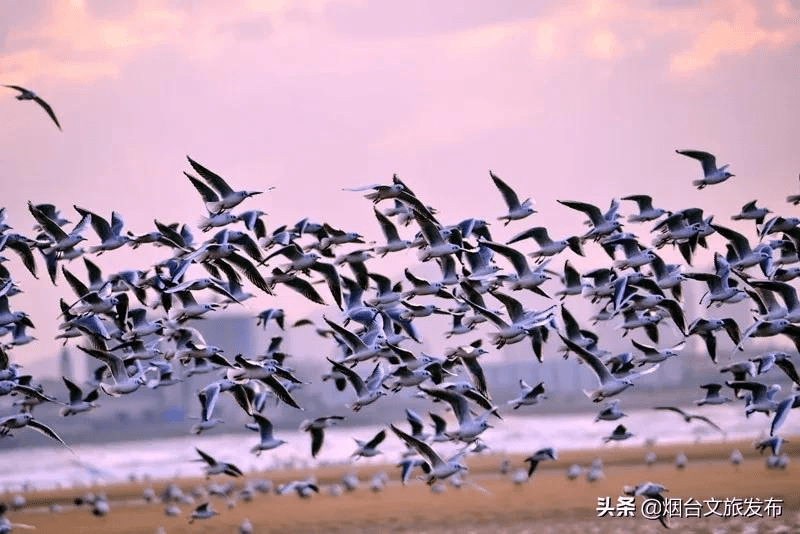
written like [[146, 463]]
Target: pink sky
[[581, 100]]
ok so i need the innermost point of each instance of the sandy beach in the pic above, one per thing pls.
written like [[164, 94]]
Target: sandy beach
[[488, 501]]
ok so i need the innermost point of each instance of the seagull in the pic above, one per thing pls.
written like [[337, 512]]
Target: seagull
[[529, 395], [542, 454], [773, 443], [393, 241], [21, 420], [794, 200], [516, 210], [303, 488], [782, 411], [712, 395], [656, 355], [619, 434], [215, 467], [275, 314], [610, 412], [548, 247], [435, 245], [525, 277], [208, 396], [705, 328], [27, 94], [366, 392], [369, 448], [439, 428], [750, 211], [407, 465], [204, 511], [218, 196], [759, 398], [317, 428], [651, 491], [417, 425], [435, 467], [602, 224], [110, 234], [268, 442], [646, 210], [711, 174], [59, 239], [78, 402], [609, 384], [123, 383], [689, 417], [469, 427]]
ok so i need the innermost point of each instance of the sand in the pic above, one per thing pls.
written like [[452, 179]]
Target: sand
[[548, 502]]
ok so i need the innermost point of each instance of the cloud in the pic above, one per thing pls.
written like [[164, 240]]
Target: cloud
[[602, 44], [736, 31]]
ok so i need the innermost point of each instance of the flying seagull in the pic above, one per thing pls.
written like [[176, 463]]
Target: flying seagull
[[27, 94], [711, 174], [516, 209]]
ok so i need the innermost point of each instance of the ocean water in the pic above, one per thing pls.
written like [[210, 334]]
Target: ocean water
[[49, 467]]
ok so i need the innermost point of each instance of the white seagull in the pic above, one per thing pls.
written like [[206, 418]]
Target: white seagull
[[516, 209], [711, 174]]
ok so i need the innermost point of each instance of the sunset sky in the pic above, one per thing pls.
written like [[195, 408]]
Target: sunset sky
[[582, 100]]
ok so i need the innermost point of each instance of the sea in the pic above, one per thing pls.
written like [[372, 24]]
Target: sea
[[166, 458]]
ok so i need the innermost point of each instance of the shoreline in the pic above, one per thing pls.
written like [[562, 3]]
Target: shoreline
[[547, 496]]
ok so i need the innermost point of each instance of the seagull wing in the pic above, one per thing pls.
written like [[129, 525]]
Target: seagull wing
[[48, 109], [100, 225], [707, 160], [352, 376], [304, 288], [592, 211], [456, 400], [49, 226], [213, 179], [317, 437], [248, 270], [597, 365], [328, 270], [379, 437], [47, 431], [421, 447], [206, 192], [75, 393], [264, 426], [516, 258], [509, 196], [207, 458]]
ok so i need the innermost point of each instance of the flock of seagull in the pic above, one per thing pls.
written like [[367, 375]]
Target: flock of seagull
[[137, 323]]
